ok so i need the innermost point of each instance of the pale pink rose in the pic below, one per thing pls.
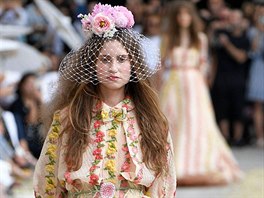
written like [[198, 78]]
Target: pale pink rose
[[98, 8], [127, 13], [101, 24], [120, 19], [86, 22], [131, 121], [133, 136], [135, 150], [130, 129], [125, 167], [107, 190]]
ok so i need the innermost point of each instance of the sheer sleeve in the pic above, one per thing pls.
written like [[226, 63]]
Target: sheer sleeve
[[45, 180], [165, 186]]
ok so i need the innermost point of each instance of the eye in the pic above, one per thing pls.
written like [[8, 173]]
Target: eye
[[122, 58], [105, 59]]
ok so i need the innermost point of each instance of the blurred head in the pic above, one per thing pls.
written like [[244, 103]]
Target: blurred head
[[152, 24], [27, 84], [259, 17], [183, 14], [215, 6], [236, 19], [184, 18]]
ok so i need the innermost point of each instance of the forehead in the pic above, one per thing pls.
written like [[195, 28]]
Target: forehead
[[113, 48]]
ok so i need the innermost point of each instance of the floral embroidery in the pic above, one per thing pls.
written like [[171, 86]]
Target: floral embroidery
[[97, 153], [51, 153], [114, 116], [126, 166]]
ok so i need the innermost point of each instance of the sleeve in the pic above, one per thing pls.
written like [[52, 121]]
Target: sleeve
[[165, 186], [45, 182]]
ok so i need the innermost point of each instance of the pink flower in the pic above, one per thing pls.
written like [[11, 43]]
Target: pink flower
[[127, 155], [130, 129], [127, 13], [98, 140], [120, 177], [94, 179], [67, 176], [98, 8], [132, 121], [135, 150], [97, 124], [120, 19], [139, 176], [125, 106], [97, 151], [107, 190], [125, 167], [125, 148], [133, 136], [101, 24], [98, 157], [86, 22], [92, 168], [100, 134]]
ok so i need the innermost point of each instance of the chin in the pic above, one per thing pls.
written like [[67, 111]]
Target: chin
[[113, 86]]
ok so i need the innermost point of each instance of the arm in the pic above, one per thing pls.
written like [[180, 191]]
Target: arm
[[165, 185], [45, 181], [239, 55], [204, 63]]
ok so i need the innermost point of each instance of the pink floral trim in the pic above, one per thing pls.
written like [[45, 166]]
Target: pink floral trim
[[97, 153]]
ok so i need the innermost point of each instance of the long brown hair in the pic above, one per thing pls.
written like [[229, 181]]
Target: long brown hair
[[173, 28], [79, 98]]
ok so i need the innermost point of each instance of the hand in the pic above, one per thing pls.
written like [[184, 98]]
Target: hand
[[223, 39]]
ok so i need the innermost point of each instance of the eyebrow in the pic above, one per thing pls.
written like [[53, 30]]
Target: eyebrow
[[106, 55]]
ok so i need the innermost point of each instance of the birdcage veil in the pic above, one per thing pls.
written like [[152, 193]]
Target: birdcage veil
[[104, 25]]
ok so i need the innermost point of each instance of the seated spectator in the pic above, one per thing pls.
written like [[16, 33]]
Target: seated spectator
[[10, 164]]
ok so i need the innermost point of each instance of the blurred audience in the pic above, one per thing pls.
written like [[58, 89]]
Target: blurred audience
[[256, 75], [231, 47], [26, 109]]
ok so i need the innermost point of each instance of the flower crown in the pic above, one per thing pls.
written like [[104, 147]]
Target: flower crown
[[104, 20]]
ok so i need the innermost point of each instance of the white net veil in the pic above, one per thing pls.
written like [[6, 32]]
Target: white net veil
[[93, 62], [111, 43]]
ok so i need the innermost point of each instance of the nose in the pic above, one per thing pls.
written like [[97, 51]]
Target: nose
[[113, 67]]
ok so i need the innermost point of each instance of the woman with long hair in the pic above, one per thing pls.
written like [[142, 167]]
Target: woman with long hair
[[200, 153], [108, 137]]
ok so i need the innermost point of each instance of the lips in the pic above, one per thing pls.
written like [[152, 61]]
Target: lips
[[113, 78]]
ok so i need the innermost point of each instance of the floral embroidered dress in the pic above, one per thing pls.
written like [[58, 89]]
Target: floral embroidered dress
[[112, 164]]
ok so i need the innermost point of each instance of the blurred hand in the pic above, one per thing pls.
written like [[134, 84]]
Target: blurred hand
[[223, 39]]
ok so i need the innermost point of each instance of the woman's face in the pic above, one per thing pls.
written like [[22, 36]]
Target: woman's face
[[29, 85], [184, 19], [113, 66]]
